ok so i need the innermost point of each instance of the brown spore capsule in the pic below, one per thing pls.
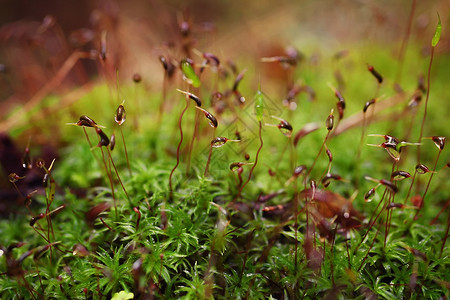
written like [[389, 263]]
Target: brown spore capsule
[[137, 78], [121, 115], [235, 166], [218, 142], [328, 177], [104, 140], [367, 104], [211, 58], [299, 170], [369, 194], [439, 141], [238, 79], [40, 163], [395, 205], [329, 122], [340, 107], [27, 163], [168, 66], [389, 185], [33, 220], [285, 128], [193, 97], [212, 120], [375, 74], [86, 122], [400, 175], [112, 143], [422, 169], [329, 154], [13, 177]]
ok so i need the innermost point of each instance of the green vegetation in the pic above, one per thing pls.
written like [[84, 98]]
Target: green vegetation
[[296, 206]]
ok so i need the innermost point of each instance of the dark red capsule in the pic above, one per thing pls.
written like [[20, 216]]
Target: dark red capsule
[[193, 97], [212, 120], [211, 58], [389, 185], [369, 194], [104, 140], [328, 177], [168, 66], [40, 163], [137, 77], [398, 174], [367, 104], [37, 218], [439, 141], [121, 115], [235, 166], [27, 163], [86, 122], [395, 205], [340, 107], [238, 79], [13, 177], [330, 155], [285, 128], [375, 74], [422, 169], [299, 170], [112, 144], [330, 122], [218, 142]]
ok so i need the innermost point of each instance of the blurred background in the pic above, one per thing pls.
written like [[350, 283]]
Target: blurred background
[[38, 37], [60, 50]]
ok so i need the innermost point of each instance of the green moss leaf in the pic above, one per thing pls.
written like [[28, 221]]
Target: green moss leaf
[[122, 295]]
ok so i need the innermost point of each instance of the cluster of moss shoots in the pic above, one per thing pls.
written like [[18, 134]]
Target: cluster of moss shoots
[[285, 221]]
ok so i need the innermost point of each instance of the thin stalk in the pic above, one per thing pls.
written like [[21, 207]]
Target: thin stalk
[[191, 145], [428, 185], [209, 156], [332, 254], [440, 212], [348, 255], [372, 220], [256, 160], [296, 228], [178, 149], [110, 182], [446, 235], [117, 174], [91, 147], [358, 154], [208, 161], [426, 104], [389, 212], [410, 187], [404, 45], [390, 200], [126, 152], [318, 154]]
